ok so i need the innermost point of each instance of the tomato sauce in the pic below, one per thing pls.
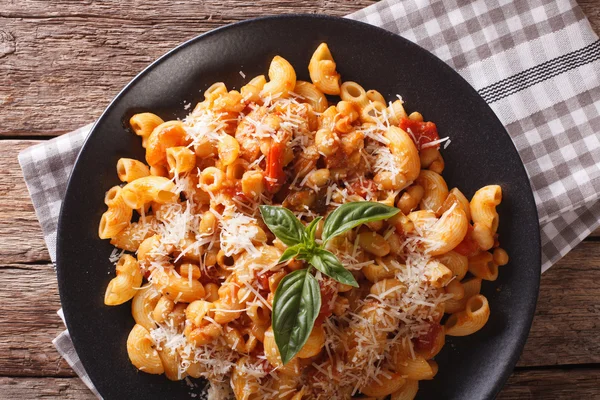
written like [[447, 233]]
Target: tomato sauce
[[468, 247], [425, 342], [421, 132]]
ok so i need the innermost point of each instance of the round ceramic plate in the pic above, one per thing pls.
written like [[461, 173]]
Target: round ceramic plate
[[481, 153]]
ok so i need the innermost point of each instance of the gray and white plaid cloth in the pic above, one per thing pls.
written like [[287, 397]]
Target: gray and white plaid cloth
[[535, 62]]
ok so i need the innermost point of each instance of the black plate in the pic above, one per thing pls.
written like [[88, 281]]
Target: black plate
[[481, 153]]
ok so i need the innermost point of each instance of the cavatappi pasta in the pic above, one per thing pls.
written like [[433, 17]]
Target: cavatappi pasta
[[203, 268]]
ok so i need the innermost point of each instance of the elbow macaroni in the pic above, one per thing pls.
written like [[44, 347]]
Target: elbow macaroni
[[204, 268]]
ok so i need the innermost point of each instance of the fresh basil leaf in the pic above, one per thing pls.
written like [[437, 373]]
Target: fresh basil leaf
[[291, 252], [296, 306], [328, 263], [350, 215], [284, 224], [311, 229]]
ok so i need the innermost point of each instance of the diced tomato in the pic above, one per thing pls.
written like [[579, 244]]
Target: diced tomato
[[362, 187], [275, 176], [235, 191], [468, 247], [328, 291], [426, 341], [421, 132], [263, 279]]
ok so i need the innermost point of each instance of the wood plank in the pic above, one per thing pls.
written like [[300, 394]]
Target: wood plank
[[564, 330], [21, 239], [90, 52], [71, 388], [554, 384], [591, 9], [29, 324]]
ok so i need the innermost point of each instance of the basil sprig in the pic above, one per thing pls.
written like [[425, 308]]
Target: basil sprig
[[297, 300]]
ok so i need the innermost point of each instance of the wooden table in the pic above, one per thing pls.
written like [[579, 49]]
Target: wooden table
[[61, 62]]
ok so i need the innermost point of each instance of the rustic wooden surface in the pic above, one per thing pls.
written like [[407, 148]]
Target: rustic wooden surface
[[62, 61]]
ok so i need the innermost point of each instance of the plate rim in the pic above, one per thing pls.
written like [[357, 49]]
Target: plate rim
[[60, 246]]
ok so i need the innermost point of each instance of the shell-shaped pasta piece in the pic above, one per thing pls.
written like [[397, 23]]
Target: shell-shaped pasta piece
[[144, 190], [382, 268], [142, 306], [354, 93], [197, 310], [472, 319], [314, 344], [228, 149], [282, 78], [446, 233], [483, 235], [251, 91], [211, 179], [252, 184], [483, 206], [404, 148], [455, 196], [386, 383], [311, 95], [408, 391], [203, 335], [322, 70], [388, 289], [144, 123], [259, 314], [181, 159], [214, 91], [244, 385], [124, 286], [455, 262], [170, 360], [395, 112], [471, 287], [168, 134], [141, 351], [375, 96], [129, 169], [162, 309], [456, 289], [482, 266], [438, 275], [117, 217], [271, 349], [436, 190], [372, 112], [176, 288], [417, 368], [134, 234]]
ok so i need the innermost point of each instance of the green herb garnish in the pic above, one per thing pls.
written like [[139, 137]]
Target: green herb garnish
[[297, 299]]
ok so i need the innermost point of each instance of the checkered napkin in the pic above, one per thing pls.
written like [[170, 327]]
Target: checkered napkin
[[535, 62]]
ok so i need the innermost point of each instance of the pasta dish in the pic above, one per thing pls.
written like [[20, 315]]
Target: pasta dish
[[296, 240]]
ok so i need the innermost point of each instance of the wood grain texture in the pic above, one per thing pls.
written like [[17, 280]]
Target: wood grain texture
[[72, 388], [567, 318], [553, 384], [28, 322], [21, 239], [74, 57], [564, 332], [559, 384]]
